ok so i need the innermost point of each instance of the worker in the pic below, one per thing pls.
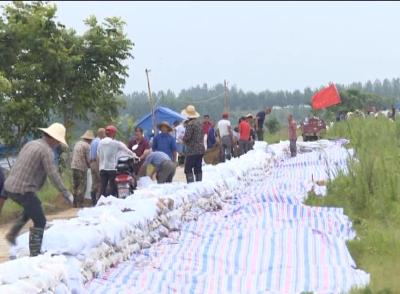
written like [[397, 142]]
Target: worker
[[179, 132], [292, 135], [80, 164], [27, 176], [224, 130], [107, 152], [94, 166], [142, 148], [164, 167], [260, 119], [211, 139], [244, 136], [194, 142], [164, 142]]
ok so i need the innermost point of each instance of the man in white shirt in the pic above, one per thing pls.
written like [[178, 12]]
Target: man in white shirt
[[107, 156], [225, 134]]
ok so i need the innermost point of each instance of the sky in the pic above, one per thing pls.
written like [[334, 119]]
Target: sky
[[253, 45]]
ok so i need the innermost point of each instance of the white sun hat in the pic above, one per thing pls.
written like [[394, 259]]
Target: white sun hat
[[57, 132]]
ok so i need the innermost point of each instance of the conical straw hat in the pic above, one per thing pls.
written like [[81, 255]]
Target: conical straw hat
[[190, 112], [88, 135], [56, 131]]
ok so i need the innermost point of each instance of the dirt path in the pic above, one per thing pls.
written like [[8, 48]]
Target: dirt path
[[68, 213]]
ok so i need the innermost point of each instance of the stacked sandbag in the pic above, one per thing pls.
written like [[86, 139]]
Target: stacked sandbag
[[105, 235]]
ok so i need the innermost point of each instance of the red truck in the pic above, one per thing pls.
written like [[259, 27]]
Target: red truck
[[312, 128]]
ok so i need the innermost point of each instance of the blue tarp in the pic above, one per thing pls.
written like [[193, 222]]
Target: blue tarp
[[161, 114], [6, 150]]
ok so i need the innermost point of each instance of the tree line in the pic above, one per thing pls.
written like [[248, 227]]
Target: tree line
[[210, 100]]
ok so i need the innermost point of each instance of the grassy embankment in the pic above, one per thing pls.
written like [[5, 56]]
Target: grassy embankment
[[370, 196]]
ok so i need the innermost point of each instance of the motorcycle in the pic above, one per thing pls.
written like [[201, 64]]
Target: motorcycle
[[125, 178]]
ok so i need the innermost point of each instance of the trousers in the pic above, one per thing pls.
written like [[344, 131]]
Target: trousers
[[166, 172], [32, 209], [107, 177], [94, 168], [244, 146], [293, 147], [79, 180], [226, 148]]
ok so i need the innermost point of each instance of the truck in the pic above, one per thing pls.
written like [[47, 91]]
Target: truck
[[312, 128]]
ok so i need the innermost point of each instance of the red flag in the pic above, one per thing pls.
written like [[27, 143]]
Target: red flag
[[326, 97]]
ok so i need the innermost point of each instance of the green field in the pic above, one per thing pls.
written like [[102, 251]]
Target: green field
[[370, 195]]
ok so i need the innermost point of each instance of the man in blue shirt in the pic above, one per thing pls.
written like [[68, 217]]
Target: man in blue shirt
[[94, 166], [164, 142], [164, 168]]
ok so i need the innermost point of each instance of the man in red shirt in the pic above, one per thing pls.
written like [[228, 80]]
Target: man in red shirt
[[244, 136], [142, 149], [292, 135]]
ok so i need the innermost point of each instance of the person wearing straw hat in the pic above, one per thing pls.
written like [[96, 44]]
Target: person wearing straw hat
[[80, 164], [165, 142], [34, 163], [194, 142]]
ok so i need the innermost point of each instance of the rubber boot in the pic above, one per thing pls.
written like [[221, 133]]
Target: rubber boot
[[189, 178], [13, 233], [35, 240], [199, 177], [94, 198]]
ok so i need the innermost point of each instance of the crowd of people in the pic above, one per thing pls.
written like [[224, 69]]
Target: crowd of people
[[183, 144]]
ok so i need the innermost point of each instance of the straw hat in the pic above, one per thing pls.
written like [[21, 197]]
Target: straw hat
[[56, 131], [249, 115], [88, 135], [190, 112], [164, 123]]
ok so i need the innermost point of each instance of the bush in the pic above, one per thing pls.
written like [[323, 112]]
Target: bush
[[273, 125]]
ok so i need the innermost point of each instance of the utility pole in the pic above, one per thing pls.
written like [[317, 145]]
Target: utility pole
[[151, 102], [226, 107]]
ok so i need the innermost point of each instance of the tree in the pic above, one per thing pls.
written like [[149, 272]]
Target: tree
[[273, 125], [25, 47], [56, 73]]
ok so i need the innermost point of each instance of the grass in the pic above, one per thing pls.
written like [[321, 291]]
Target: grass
[[48, 195], [370, 196]]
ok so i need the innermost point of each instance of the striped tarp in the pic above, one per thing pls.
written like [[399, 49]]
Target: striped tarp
[[264, 241]]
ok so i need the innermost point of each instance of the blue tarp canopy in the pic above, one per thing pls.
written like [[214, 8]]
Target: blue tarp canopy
[[161, 114]]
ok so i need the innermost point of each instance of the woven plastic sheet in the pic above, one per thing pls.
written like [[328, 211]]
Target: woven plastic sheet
[[264, 240]]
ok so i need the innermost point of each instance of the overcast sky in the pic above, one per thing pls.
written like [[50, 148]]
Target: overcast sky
[[255, 45]]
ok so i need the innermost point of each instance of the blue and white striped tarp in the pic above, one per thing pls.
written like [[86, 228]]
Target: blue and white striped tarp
[[265, 241]]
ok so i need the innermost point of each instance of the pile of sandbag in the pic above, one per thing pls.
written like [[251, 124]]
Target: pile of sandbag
[[98, 238]]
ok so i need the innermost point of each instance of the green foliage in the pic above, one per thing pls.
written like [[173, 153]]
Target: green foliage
[[354, 99], [273, 125], [55, 73], [370, 196]]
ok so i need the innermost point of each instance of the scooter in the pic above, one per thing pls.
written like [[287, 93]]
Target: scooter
[[125, 178]]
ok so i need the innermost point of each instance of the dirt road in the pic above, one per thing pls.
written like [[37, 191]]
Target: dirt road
[[68, 213]]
